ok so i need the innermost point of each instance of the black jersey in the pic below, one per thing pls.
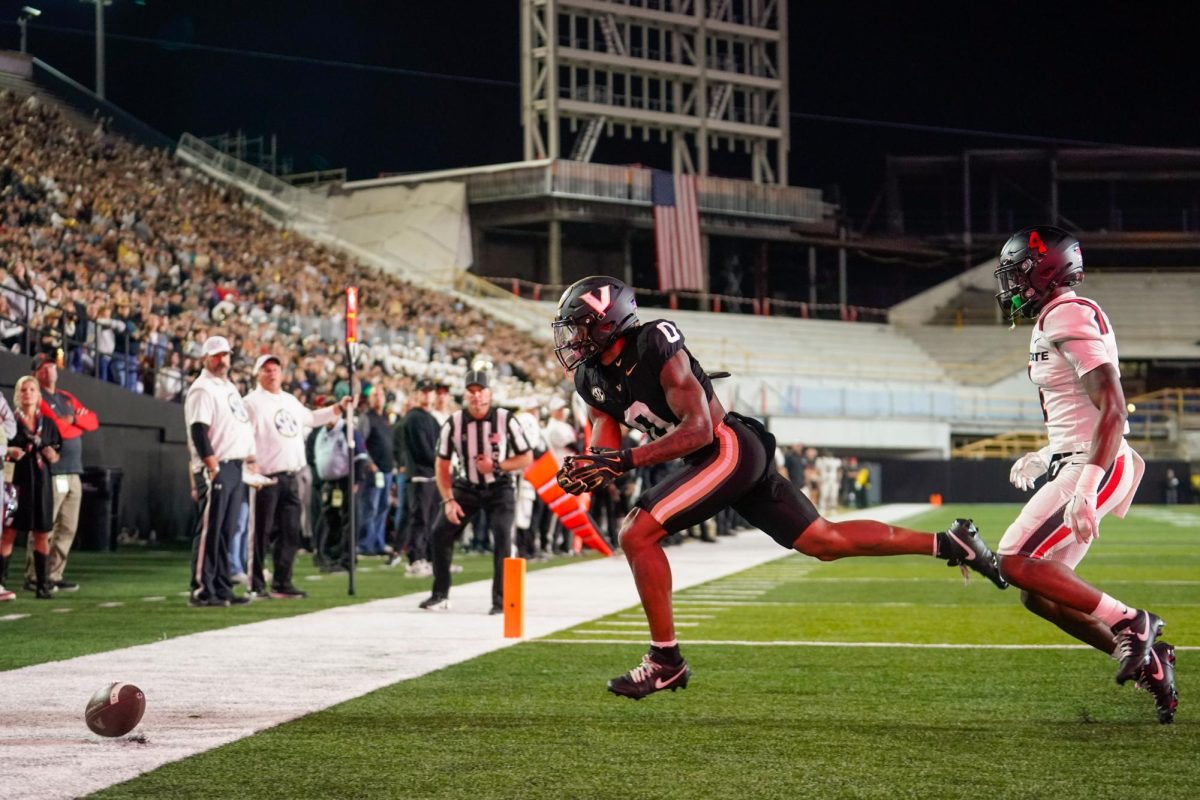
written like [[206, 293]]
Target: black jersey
[[630, 390]]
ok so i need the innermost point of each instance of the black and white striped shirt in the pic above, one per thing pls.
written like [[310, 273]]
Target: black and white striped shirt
[[498, 434]]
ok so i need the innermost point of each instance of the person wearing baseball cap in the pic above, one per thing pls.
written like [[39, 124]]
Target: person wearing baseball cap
[[417, 436], [279, 422], [222, 443], [73, 420], [489, 444]]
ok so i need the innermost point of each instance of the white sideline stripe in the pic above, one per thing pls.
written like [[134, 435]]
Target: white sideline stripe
[[154, 599], [61, 610], [12, 617], [113, 604], [643, 624], [281, 669], [892, 645]]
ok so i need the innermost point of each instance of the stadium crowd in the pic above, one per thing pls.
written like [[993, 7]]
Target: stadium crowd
[[126, 260]]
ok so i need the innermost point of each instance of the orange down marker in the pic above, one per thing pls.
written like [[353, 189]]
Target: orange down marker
[[514, 598]]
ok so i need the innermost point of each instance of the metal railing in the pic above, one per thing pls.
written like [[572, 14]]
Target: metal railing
[[80, 350], [630, 184], [286, 203]]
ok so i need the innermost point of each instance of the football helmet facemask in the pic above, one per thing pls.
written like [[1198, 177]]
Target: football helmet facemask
[[592, 313], [1033, 263]]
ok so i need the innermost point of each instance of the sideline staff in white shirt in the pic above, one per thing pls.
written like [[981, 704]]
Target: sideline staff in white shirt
[[280, 421], [222, 441]]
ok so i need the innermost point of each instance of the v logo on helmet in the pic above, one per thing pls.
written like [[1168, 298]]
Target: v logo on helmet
[[1036, 243], [599, 304]]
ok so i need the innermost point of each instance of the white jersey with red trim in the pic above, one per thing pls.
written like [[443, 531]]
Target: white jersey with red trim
[[1069, 413]]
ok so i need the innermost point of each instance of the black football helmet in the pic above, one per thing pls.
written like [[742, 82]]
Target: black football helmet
[[1033, 263], [592, 313]]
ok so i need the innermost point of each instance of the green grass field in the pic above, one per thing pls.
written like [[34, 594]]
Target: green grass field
[[768, 714]]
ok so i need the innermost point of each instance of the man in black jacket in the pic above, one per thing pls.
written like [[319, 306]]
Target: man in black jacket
[[420, 447]]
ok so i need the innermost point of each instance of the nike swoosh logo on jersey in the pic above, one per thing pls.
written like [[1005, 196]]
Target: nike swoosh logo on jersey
[[630, 370], [970, 554], [659, 683]]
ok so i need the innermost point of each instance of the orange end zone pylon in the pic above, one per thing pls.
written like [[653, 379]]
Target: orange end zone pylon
[[514, 598], [567, 507]]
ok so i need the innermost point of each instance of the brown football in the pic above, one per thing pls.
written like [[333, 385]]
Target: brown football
[[115, 710]]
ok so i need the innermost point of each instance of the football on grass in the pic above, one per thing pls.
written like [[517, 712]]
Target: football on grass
[[115, 709]]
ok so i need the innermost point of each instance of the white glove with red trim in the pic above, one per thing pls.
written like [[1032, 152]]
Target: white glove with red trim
[[1027, 469], [1080, 514]]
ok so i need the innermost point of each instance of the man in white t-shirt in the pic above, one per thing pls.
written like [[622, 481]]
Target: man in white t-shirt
[[279, 421], [829, 480], [222, 445], [1090, 469]]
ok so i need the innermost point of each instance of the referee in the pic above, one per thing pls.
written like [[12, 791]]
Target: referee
[[489, 444], [222, 441], [279, 421]]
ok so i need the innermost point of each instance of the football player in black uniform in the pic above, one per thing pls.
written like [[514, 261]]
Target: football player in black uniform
[[642, 376]]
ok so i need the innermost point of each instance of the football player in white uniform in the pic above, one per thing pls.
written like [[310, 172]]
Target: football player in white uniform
[[1090, 469]]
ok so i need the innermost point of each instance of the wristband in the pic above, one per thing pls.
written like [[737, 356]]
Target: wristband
[[448, 500], [1089, 479]]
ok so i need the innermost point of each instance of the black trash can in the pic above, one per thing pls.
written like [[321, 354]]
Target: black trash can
[[100, 509]]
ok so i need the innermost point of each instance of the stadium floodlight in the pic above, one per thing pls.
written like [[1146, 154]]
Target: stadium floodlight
[[27, 13], [100, 4]]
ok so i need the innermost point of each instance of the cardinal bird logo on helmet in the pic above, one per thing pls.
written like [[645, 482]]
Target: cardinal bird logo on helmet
[[1033, 263]]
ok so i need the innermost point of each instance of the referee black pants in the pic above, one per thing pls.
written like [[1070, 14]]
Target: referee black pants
[[276, 511], [500, 501], [220, 501]]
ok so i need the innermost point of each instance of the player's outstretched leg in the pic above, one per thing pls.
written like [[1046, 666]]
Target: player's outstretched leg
[[651, 676], [1135, 639], [1157, 677], [962, 546]]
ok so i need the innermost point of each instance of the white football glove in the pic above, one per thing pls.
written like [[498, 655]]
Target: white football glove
[[1080, 513], [1027, 469]]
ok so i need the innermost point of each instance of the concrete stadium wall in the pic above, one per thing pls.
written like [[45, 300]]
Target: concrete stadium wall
[[907, 481], [142, 436]]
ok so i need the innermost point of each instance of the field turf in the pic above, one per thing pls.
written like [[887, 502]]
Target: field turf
[[809, 681]]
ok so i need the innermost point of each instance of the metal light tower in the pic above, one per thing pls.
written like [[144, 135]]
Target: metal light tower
[[27, 13], [700, 72], [99, 43]]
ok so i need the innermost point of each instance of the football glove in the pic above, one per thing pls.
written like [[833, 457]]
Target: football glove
[[598, 466], [569, 485], [1027, 469], [1080, 512]]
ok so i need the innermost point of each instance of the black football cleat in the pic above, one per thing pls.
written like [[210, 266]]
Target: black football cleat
[[650, 677], [1157, 677], [963, 547], [1135, 639]]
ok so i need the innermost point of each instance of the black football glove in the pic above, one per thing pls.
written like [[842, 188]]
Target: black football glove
[[598, 466], [570, 485]]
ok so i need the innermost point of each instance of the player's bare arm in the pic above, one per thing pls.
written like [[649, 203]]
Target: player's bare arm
[[686, 398], [606, 430], [1103, 388]]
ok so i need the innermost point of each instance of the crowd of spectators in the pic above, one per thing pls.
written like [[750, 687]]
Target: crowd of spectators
[[125, 259]]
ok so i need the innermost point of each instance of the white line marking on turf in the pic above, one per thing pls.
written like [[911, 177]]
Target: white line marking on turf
[[113, 604], [893, 645], [619, 623], [61, 610], [153, 599], [287, 668], [12, 617]]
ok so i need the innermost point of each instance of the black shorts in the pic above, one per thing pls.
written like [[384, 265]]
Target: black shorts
[[736, 471]]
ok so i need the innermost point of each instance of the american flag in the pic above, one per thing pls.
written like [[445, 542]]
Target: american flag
[[676, 231]]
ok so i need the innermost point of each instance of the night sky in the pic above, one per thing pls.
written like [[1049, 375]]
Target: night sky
[[1103, 72]]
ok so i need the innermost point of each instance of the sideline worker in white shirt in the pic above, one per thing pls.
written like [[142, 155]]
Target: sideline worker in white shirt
[[279, 421], [222, 443]]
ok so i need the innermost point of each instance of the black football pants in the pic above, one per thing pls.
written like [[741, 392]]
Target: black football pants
[[500, 502]]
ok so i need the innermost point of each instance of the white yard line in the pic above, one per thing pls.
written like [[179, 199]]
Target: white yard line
[[890, 645], [208, 689]]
